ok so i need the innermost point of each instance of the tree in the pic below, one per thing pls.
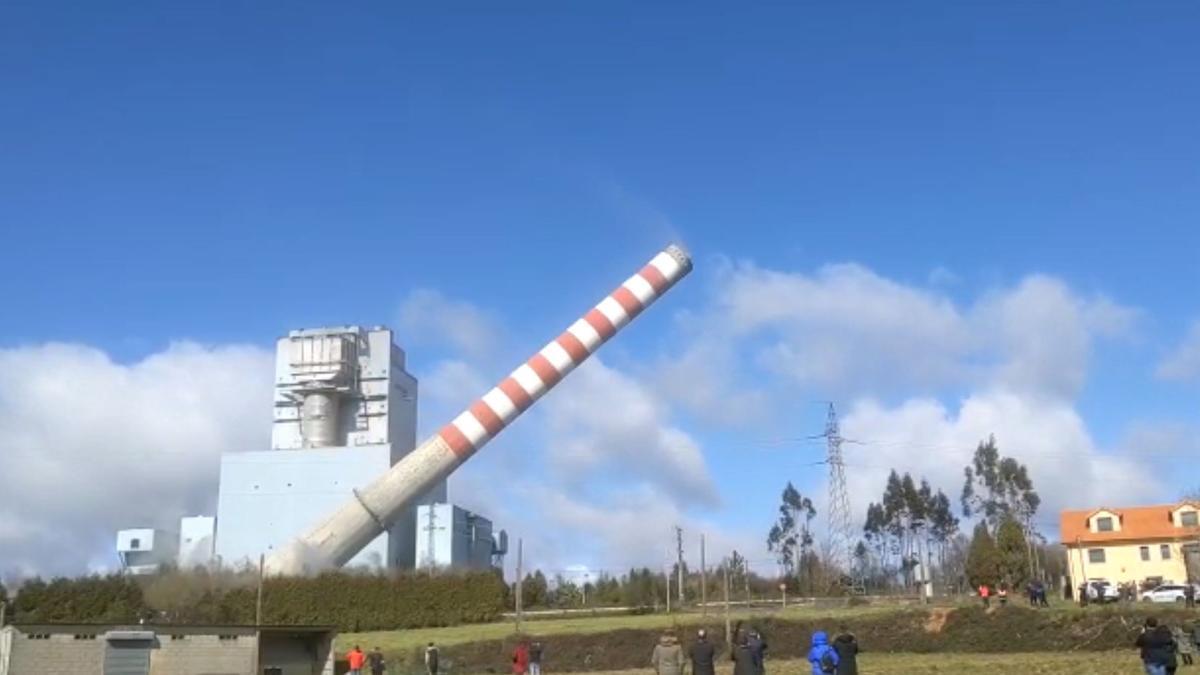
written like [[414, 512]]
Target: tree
[[789, 538], [907, 516], [1013, 553], [983, 559], [535, 590], [998, 487]]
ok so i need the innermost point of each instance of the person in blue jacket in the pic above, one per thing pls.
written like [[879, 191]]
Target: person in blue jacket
[[822, 656]]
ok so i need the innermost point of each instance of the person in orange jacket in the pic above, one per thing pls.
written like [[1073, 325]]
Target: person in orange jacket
[[356, 658]]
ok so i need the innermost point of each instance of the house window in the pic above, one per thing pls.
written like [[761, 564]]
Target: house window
[[1145, 551], [1165, 551], [135, 543], [1104, 524], [1095, 555], [1189, 518]]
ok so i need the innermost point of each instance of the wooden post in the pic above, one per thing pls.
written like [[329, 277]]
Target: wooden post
[[703, 580], [520, 600]]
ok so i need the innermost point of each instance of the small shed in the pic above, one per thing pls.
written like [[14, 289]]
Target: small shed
[[110, 649]]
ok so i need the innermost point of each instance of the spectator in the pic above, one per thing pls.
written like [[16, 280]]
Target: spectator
[[758, 647], [520, 658], [1189, 595], [1083, 594], [1183, 645], [667, 658], [1003, 596], [701, 654], [1031, 592], [824, 659], [1157, 648], [431, 659], [375, 662], [1041, 594], [356, 658], [984, 594], [535, 658], [742, 656], [846, 646]]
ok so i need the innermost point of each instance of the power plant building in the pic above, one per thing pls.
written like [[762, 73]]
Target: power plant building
[[345, 412]]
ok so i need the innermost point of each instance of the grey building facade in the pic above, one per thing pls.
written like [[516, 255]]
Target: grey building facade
[[91, 649]]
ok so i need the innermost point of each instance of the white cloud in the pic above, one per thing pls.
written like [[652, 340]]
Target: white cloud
[[925, 438], [91, 445], [634, 526], [1183, 363], [430, 318], [846, 330], [1041, 333], [604, 421]]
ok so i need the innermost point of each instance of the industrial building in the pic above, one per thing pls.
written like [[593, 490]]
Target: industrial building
[[452, 537], [344, 413], [145, 550], [104, 649]]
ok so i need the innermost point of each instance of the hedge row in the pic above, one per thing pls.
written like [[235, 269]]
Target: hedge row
[[352, 602]]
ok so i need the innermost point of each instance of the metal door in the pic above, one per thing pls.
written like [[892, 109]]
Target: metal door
[[127, 657]]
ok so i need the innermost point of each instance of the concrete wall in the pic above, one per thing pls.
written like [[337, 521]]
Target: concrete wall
[[186, 651], [269, 498], [1123, 562], [230, 654]]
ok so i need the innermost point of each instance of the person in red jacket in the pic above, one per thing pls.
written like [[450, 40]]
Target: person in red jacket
[[985, 593], [520, 660]]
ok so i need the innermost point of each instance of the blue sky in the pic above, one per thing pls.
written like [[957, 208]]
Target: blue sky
[[1021, 176]]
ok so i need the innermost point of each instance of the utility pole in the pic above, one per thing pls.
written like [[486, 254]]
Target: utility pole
[[679, 562], [704, 580], [258, 606], [520, 584], [668, 578], [728, 627], [258, 602]]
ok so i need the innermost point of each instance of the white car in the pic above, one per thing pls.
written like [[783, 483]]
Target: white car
[[1168, 593]]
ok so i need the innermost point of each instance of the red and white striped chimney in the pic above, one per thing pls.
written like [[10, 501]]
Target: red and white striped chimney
[[339, 538]]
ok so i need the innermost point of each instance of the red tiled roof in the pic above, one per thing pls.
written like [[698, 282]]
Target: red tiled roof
[[1137, 522]]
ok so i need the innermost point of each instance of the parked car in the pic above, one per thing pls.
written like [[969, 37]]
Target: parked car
[[1168, 593], [1101, 591]]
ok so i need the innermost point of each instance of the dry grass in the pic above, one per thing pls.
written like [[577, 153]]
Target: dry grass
[[1101, 663]]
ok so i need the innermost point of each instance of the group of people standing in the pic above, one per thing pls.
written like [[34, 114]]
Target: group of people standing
[[836, 657], [1163, 648]]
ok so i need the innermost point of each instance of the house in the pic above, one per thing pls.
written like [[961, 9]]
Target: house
[[1141, 544]]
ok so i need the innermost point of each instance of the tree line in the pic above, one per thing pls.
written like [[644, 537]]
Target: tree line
[[912, 534]]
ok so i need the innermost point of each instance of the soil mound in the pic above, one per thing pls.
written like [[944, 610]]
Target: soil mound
[[970, 629]]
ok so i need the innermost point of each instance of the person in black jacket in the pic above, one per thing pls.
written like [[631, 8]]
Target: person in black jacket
[[1157, 648], [758, 646], [743, 656], [701, 653], [847, 649]]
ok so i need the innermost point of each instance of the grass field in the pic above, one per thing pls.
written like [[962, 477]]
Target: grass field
[[1103, 663], [397, 642]]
